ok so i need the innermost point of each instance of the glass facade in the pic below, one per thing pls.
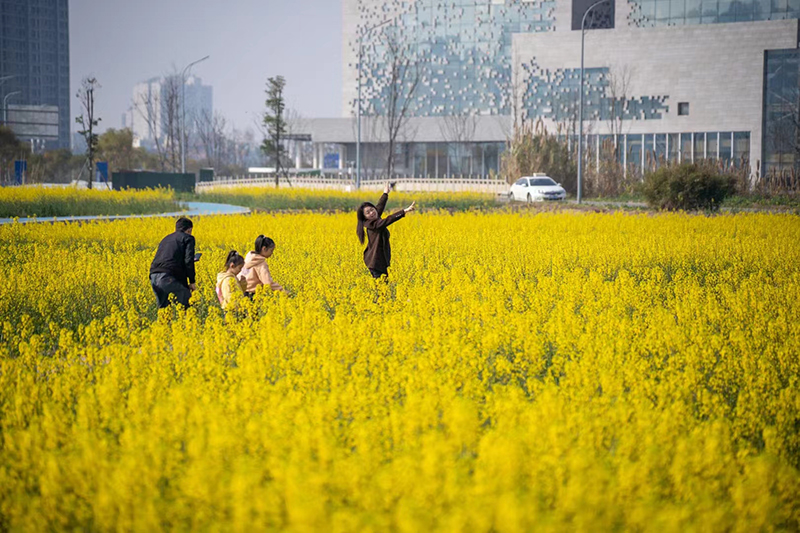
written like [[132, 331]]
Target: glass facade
[[440, 160], [433, 159], [34, 49], [781, 111], [457, 56], [651, 13], [458, 51], [554, 94], [640, 151]]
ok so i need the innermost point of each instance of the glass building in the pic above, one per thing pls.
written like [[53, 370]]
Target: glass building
[[664, 80], [34, 60]]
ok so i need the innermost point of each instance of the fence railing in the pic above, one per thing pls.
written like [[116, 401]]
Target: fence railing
[[346, 182]]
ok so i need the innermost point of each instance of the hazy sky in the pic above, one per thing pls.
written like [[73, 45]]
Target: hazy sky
[[123, 42]]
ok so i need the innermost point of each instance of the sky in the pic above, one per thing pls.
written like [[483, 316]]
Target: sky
[[124, 42]]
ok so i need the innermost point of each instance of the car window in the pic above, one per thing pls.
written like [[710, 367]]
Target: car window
[[542, 182], [522, 181]]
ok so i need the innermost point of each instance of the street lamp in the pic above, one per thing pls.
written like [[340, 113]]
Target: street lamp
[[358, 120], [183, 112], [580, 105], [5, 106]]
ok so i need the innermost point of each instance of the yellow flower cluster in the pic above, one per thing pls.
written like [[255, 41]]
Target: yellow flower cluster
[[519, 372], [295, 198], [68, 201]]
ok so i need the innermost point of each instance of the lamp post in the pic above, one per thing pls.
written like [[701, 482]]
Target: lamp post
[[183, 112], [580, 105], [358, 120], [5, 106]]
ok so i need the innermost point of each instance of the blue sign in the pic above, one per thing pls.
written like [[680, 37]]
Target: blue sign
[[101, 175], [20, 169], [330, 161]]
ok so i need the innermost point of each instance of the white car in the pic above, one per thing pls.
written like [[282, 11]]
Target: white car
[[536, 188]]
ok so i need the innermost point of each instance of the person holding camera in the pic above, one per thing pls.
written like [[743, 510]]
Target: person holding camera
[[172, 269], [378, 254]]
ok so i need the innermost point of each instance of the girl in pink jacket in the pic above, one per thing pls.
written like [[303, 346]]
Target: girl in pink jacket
[[256, 271]]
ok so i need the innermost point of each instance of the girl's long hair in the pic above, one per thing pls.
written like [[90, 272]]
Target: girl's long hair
[[233, 259], [361, 220]]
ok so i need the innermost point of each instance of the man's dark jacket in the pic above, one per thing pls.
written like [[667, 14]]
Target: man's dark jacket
[[175, 256], [378, 254]]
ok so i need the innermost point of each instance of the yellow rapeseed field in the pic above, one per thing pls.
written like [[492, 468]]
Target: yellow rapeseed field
[[519, 372], [46, 202], [294, 198]]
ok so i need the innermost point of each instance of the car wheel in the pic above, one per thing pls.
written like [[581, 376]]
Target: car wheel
[[530, 200]]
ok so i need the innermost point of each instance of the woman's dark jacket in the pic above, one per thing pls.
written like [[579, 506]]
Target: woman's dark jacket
[[378, 254]]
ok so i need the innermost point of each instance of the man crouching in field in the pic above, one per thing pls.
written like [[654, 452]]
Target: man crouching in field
[[172, 271]]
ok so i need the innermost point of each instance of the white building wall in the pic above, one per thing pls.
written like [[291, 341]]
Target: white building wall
[[716, 68], [149, 90]]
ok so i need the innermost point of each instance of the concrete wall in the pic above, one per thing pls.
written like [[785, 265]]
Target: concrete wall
[[716, 68], [417, 129]]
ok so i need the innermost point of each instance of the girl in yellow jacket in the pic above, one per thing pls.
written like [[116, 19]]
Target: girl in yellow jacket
[[256, 271], [228, 285]]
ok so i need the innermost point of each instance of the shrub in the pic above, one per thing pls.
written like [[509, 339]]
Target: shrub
[[532, 149], [688, 186]]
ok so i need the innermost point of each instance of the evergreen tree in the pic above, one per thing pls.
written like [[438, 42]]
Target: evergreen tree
[[275, 123]]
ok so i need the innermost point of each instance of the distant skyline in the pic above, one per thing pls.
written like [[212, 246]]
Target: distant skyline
[[122, 43]]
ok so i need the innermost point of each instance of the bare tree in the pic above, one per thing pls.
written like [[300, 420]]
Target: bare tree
[[211, 137], [239, 148], [402, 76], [148, 106], [160, 109], [458, 130], [516, 96], [171, 116], [617, 98], [88, 121]]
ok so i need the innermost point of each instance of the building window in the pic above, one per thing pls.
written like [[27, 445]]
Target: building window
[[601, 17], [683, 109]]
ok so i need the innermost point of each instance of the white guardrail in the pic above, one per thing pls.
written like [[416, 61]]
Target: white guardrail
[[345, 183]]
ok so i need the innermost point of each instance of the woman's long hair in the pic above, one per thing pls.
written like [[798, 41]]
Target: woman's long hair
[[361, 220], [233, 259]]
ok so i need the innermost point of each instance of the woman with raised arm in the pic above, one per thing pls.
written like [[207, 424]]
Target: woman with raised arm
[[378, 254]]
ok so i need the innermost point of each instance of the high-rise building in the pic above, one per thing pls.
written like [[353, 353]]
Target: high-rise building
[[34, 70], [157, 108], [686, 80]]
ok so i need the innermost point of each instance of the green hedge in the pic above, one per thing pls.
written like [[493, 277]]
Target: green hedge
[[687, 187]]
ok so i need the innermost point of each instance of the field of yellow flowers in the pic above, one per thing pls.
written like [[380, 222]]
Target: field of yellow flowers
[[519, 372], [270, 198], [68, 201]]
